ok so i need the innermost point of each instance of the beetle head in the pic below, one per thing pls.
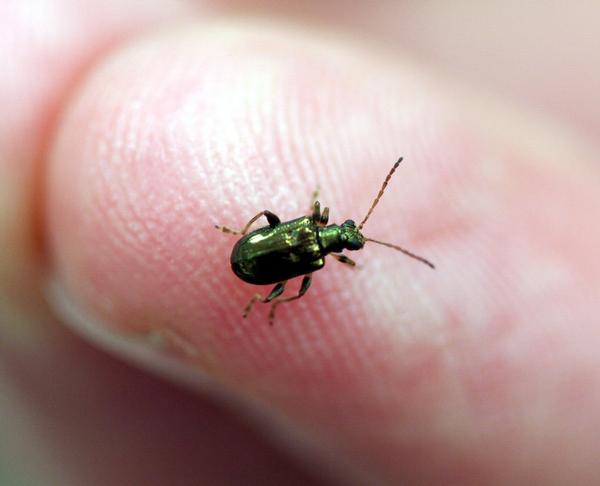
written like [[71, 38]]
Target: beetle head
[[351, 237]]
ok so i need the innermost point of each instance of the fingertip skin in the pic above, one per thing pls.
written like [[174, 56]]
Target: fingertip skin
[[210, 125], [47, 46]]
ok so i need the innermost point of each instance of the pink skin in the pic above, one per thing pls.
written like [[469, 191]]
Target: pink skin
[[484, 370], [70, 414]]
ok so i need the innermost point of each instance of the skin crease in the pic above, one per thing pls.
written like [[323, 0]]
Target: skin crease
[[488, 372]]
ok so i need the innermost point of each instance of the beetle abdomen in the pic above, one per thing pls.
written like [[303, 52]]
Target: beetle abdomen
[[270, 255]]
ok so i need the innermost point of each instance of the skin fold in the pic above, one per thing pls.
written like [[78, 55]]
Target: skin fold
[[117, 166]]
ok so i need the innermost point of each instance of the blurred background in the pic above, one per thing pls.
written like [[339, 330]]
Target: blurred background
[[544, 55], [59, 397]]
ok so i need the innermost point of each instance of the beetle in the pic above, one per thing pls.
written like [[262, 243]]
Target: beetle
[[280, 251]]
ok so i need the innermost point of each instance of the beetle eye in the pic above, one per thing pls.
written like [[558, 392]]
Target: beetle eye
[[349, 222]]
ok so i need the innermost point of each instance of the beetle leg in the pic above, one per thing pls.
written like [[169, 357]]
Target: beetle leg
[[316, 212], [303, 288], [324, 217], [343, 259], [272, 218], [313, 197], [319, 218], [276, 292]]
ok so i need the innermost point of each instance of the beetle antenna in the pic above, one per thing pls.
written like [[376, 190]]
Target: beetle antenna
[[383, 186], [406, 252]]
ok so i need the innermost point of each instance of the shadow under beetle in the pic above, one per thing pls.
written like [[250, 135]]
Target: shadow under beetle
[[276, 253]]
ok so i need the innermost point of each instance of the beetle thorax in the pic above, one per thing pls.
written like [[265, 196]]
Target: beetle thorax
[[335, 238]]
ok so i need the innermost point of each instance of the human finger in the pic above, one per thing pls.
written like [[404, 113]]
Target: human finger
[[396, 373]]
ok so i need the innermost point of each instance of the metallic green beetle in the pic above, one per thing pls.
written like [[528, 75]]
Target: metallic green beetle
[[281, 251]]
